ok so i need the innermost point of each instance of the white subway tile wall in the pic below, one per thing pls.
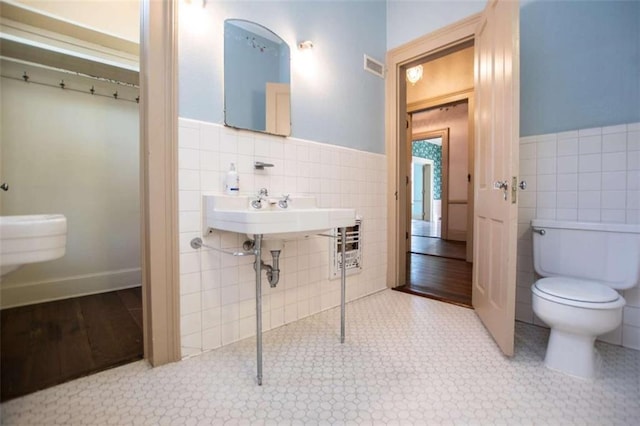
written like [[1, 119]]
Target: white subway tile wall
[[217, 291], [590, 175]]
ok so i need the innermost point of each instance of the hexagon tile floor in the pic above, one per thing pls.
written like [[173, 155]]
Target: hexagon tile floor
[[406, 360]]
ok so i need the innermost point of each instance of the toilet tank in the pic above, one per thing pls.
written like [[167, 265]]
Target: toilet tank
[[609, 253]]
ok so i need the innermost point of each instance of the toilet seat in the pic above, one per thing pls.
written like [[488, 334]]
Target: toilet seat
[[577, 292]]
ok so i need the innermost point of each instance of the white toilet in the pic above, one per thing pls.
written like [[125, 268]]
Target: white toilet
[[583, 265]]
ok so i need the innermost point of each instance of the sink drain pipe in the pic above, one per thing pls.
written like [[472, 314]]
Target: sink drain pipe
[[273, 271]]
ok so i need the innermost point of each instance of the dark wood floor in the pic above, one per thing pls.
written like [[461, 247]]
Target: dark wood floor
[[439, 247], [436, 268], [423, 228], [440, 278], [50, 343]]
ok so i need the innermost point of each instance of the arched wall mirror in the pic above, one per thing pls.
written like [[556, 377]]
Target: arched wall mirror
[[257, 94]]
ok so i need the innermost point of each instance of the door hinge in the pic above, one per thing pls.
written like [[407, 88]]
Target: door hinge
[[396, 195], [406, 235], [407, 180], [407, 121], [469, 177]]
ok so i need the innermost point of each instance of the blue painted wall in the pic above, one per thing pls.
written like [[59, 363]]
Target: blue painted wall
[[410, 19], [580, 61], [333, 99], [579, 65]]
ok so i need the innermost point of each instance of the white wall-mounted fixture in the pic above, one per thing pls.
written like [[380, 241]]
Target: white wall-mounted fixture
[[31, 239], [414, 74], [305, 62], [305, 45]]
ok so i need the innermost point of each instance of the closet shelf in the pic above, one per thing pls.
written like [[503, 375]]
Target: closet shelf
[[32, 36]]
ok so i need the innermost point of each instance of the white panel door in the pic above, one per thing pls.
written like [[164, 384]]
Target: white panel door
[[496, 165]]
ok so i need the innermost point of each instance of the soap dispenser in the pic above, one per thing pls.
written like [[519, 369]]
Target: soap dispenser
[[232, 182]]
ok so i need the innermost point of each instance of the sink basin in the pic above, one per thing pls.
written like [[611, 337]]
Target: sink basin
[[30, 239], [301, 218]]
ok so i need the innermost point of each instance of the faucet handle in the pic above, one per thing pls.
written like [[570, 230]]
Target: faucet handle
[[263, 194], [284, 202]]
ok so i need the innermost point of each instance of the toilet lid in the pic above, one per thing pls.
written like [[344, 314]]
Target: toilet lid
[[578, 290]]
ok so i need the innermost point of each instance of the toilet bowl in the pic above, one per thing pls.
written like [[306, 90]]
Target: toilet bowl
[[583, 265], [577, 311]]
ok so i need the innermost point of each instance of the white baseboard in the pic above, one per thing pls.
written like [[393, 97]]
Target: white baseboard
[[68, 287], [457, 235]]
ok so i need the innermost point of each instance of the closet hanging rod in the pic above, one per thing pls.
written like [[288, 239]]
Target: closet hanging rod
[[65, 71], [91, 91]]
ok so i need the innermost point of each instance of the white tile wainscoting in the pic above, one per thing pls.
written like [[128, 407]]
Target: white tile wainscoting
[[217, 291], [587, 175]]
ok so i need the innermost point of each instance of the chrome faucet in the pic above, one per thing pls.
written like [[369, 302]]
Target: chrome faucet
[[284, 202], [263, 194]]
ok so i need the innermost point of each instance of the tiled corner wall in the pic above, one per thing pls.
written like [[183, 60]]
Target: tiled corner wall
[[217, 291], [589, 175]]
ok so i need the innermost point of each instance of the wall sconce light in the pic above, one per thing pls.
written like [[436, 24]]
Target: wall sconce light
[[414, 74], [305, 45]]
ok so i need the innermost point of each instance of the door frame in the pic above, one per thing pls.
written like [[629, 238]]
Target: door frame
[[427, 168], [398, 60], [159, 180]]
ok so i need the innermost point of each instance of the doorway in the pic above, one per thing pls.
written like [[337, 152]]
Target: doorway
[[82, 312], [438, 252], [494, 33], [437, 264], [426, 183]]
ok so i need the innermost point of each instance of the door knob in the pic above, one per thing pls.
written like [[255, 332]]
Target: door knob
[[501, 184], [523, 184]]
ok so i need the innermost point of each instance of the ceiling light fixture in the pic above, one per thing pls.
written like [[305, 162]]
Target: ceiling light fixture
[[414, 74]]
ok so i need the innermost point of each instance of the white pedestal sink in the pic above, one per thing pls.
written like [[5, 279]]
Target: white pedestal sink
[[31, 239]]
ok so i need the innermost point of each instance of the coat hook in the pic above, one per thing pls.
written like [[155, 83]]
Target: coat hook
[[25, 76], [138, 99], [115, 95], [62, 84], [93, 90]]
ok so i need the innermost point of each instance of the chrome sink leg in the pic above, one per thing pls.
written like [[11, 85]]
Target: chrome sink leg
[[343, 281], [258, 251]]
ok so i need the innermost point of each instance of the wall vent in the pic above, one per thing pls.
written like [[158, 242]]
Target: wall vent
[[353, 252], [373, 66]]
